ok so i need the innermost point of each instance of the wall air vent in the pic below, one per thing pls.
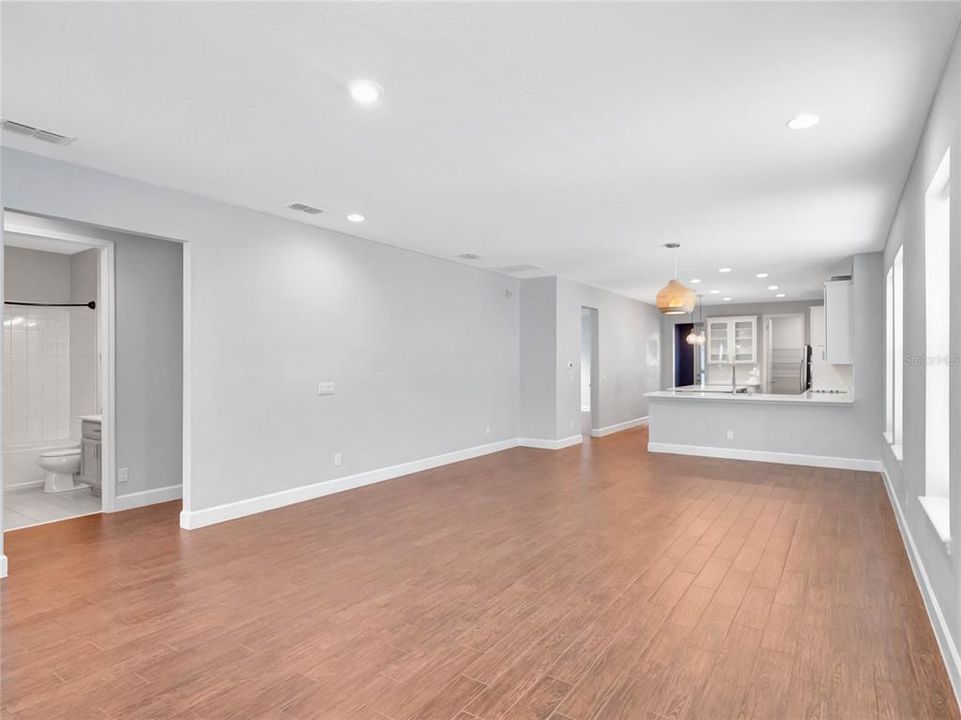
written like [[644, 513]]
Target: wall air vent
[[469, 256], [309, 209], [511, 269], [37, 133]]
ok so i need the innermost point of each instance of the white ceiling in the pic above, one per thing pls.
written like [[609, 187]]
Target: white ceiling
[[575, 137]]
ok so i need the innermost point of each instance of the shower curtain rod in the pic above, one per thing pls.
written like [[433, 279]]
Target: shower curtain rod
[[92, 305]]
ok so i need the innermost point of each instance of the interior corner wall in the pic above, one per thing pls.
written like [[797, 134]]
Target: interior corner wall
[[940, 571], [424, 352], [628, 356], [538, 353]]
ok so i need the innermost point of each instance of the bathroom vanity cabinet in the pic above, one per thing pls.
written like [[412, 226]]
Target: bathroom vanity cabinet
[[90, 451]]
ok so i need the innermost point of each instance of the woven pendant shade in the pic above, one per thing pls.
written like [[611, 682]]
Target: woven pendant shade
[[675, 299]]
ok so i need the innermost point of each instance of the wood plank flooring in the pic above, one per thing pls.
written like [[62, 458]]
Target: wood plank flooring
[[592, 582]]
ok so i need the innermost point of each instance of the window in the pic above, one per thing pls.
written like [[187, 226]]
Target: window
[[895, 358], [889, 354], [937, 365]]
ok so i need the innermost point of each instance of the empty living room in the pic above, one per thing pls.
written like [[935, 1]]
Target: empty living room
[[480, 360]]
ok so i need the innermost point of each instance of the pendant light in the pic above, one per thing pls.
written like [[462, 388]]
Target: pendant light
[[696, 337], [675, 298]]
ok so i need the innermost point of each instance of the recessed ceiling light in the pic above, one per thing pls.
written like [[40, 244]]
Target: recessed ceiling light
[[727, 299], [724, 269], [355, 217], [469, 256], [772, 287], [803, 121], [695, 281], [715, 292], [779, 295], [364, 91], [761, 275]]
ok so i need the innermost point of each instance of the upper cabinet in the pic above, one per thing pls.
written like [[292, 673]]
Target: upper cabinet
[[838, 322], [732, 339]]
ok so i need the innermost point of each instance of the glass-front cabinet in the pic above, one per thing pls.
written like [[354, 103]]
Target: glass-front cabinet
[[732, 339]]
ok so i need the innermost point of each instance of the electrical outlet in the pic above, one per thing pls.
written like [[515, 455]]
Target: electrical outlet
[[325, 388], [338, 459], [487, 429], [123, 475], [730, 434]]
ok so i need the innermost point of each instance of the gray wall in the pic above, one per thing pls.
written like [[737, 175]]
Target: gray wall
[[36, 276], [424, 352], [772, 308], [538, 354], [149, 315], [628, 356], [943, 130]]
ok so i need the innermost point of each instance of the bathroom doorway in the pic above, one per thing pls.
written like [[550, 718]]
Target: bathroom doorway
[[589, 371], [58, 374]]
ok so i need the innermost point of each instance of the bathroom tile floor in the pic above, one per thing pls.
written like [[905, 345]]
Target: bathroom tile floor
[[29, 506]]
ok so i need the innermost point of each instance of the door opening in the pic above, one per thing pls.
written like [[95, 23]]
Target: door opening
[[589, 370], [58, 355]]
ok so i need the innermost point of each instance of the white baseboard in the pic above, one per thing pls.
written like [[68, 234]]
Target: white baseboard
[[949, 650], [3, 566], [148, 497], [610, 429], [23, 485], [191, 520], [549, 444], [782, 458]]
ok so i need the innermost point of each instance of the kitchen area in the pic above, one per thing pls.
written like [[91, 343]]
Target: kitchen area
[[792, 382]]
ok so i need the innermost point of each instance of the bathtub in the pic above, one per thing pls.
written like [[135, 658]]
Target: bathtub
[[20, 468]]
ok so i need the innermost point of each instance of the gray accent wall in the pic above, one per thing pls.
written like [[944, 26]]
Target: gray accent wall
[[943, 571], [538, 355], [629, 352], [149, 324], [36, 276]]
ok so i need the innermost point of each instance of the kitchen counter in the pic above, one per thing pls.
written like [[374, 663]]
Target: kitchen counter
[[806, 398]]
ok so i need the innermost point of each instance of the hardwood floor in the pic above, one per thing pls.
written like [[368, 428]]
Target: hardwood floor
[[592, 582]]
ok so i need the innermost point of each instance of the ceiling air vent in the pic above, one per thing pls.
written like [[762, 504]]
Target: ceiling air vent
[[469, 256], [511, 269], [38, 133], [309, 209]]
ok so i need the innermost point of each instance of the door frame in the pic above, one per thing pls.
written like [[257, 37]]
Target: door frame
[[20, 223]]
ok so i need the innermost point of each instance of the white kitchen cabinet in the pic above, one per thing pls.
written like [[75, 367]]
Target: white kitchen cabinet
[[817, 326], [732, 339], [839, 322]]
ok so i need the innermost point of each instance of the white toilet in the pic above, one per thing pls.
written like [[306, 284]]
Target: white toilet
[[62, 467]]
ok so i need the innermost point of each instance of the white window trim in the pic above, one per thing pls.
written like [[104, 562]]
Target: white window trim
[[938, 510]]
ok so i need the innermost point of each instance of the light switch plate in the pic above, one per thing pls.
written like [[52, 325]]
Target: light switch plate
[[325, 388]]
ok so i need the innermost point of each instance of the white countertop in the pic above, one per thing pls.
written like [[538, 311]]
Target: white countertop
[[92, 418], [805, 398]]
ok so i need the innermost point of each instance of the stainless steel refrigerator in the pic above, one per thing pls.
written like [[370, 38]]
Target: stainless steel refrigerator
[[790, 370]]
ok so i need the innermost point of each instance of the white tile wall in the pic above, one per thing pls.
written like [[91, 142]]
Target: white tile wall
[[36, 376], [83, 367]]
